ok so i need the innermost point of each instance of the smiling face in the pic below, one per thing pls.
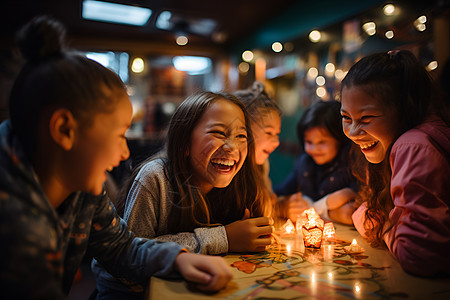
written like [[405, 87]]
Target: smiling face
[[320, 145], [99, 147], [218, 145], [266, 131], [367, 123]]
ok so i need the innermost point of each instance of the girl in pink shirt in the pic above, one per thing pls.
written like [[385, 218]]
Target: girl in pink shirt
[[389, 112]]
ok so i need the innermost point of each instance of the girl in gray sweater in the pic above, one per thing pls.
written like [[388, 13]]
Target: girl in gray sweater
[[203, 191]]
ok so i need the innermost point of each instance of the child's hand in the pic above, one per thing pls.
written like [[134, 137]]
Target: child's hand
[[295, 206], [211, 273], [340, 197], [249, 234]]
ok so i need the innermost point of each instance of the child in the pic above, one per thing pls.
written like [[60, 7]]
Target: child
[[321, 175], [265, 118], [402, 131], [203, 189], [68, 118]]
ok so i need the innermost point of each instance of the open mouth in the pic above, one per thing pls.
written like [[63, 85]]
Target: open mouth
[[222, 164], [368, 147]]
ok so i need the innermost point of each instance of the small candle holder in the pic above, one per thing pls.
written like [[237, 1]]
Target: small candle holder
[[288, 229], [354, 248], [329, 232], [312, 233]]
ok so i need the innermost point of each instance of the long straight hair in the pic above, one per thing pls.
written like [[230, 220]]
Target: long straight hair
[[191, 209]]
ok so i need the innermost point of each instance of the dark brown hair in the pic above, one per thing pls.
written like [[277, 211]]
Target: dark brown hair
[[191, 209], [399, 81], [54, 77]]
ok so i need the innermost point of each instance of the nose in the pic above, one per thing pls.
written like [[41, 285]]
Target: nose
[[229, 145], [354, 130], [125, 151]]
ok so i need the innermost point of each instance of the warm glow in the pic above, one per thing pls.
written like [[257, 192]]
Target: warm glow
[[339, 74], [315, 36], [321, 91], [247, 55], [312, 73], [137, 65], [243, 67], [288, 227], [389, 9], [320, 80], [277, 47], [389, 34], [432, 65], [354, 242], [421, 27], [330, 68], [422, 19], [370, 28], [182, 40], [328, 230]]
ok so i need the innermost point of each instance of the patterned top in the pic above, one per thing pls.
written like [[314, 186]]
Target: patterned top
[[42, 247], [147, 210]]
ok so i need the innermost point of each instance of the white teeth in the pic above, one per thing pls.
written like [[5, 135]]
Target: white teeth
[[223, 161], [364, 147]]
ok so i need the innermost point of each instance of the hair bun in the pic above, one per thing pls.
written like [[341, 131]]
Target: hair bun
[[41, 38], [258, 87]]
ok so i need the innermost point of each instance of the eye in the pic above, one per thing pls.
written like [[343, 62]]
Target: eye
[[241, 136], [367, 118], [217, 132], [346, 118]]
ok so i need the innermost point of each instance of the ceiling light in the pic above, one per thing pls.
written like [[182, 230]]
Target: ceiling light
[[182, 40], [115, 13], [432, 65], [138, 65], [389, 34], [243, 67], [193, 65], [389, 9], [277, 47], [247, 55], [320, 80], [370, 28], [315, 36]]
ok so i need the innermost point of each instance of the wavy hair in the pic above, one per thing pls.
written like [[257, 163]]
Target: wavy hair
[[399, 81]]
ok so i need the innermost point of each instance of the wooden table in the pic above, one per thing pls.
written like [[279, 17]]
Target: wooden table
[[294, 272]]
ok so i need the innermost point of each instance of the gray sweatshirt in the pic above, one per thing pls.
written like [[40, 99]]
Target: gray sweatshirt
[[147, 211]]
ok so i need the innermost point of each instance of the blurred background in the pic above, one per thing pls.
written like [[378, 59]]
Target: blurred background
[[166, 50]]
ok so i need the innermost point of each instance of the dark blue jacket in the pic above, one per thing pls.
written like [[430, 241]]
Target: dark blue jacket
[[317, 181]]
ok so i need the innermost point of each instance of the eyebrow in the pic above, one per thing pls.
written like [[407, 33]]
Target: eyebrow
[[223, 125], [363, 109]]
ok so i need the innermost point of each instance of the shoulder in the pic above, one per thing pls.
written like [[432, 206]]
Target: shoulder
[[153, 175], [431, 136]]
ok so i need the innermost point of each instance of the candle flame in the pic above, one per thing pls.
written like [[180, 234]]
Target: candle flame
[[354, 242]]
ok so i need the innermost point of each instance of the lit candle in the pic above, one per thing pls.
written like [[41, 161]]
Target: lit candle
[[353, 248]]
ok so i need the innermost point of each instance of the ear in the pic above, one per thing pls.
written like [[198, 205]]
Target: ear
[[62, 127]]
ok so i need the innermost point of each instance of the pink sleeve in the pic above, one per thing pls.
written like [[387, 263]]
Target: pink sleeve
[[358, 218], [420, 184]]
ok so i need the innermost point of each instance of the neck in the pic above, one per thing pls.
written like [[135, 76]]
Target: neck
[[52, 184]]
